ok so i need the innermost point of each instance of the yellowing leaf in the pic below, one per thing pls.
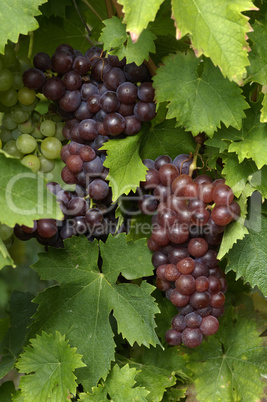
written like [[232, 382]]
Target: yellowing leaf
[[138, 13], [217, 30]]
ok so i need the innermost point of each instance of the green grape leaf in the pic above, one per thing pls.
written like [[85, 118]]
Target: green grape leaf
[[139, 51], [113, 34], [248, 257], [5, 258], [49, 363], [166, 139], [224, 136], [23, 195], [199, 100], [175, 394], [207, 23], [158, 370], [81, 305], [21, 310], [135, 20], [249, 142], [263, 118], [257, 70], [126, 169], [117, 42], [252, 145], [219, 363], [21, 13], [236, 174], [119, 386]]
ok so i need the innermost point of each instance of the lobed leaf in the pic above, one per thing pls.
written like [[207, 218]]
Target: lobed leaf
[[217, 30], [80, 307], [49, 362], [117, 42], [198, 95]]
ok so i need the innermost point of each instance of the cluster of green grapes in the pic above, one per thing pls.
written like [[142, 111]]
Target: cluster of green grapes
[[25, 133]]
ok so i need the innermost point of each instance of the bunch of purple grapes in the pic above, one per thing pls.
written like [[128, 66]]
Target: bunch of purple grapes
[[97, 95], [189, 218], [99, 98]]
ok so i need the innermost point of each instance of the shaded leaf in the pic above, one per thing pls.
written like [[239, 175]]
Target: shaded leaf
[[21, 310], [165, 139], [228, 366]]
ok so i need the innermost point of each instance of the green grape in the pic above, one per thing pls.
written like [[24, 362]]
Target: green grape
[[8, 122], [31, 107], [9, 98], [6, 80], [18, 81], [11, 148], [31, 161], [46, 164], [59, 134], [36, 133], [16, 134], [51, 148], [27, 127], [5, 134], [19, 115], [5, 232], [48, 128], [26, 96], [26, 143]]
